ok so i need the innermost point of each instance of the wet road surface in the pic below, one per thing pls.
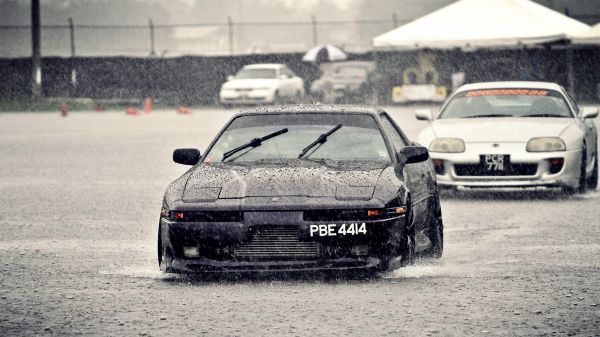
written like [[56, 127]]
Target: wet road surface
[[79, 204]]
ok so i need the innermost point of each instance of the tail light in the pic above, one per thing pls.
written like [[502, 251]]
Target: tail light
[[177, 215]]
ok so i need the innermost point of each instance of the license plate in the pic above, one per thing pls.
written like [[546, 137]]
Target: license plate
[[495, 162], [344, 229]]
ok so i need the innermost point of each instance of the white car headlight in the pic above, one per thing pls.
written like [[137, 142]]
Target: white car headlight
[[545, 144], [448, 145]]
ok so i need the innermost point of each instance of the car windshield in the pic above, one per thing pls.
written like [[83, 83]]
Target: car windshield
[[507, 103], [351, 72], [359, 138], [248, 73]]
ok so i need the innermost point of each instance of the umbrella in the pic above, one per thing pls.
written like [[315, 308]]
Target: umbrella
[[325, 53]]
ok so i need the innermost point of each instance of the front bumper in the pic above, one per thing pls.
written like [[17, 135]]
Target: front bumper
[[204, 265], [217, 245], [541, 176], [246, 97]]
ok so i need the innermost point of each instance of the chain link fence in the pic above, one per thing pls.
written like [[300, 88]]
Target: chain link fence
[[216, 38]]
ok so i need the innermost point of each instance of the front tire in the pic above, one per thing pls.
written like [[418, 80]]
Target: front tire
[[592, 181], [407, 243], [436, 237], [277, 99], [165, 258]]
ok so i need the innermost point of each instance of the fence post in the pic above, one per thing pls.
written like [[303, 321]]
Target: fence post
[[394, 20], [151, 27], [36, 55], [230, 31], [570, 72], [314, 29], [71, 62], [72, 36]]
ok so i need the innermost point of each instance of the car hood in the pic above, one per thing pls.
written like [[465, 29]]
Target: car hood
[[209, 182], [474, 130], [249, 83]]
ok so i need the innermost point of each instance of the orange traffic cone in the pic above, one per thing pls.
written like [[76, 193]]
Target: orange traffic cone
[[64, 109], [132, 111], [183, 110], [148, 105]]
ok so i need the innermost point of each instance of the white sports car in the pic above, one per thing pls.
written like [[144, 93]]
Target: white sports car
[[513, 134], [262, 83]]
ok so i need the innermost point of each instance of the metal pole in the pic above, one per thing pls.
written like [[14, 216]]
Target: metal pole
[[72, 35], [151, 26], [394, 20], [230, 27], [71, 62], [570, 72], [377, 84], [314, 29], [36, 63]]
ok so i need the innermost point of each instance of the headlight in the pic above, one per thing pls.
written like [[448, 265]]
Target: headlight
[[545, 144], [448, 145]]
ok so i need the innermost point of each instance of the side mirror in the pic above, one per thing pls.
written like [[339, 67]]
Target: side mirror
[[589, 112], [284, 77], [230, 77], [424, 115], [186, 156], [412, 154]]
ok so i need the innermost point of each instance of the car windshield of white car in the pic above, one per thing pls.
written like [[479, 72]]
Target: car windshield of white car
[[256, 73], [359, 138], [507, 103]]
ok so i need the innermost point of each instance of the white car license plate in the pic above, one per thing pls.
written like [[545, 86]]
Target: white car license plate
[[343, 229], [495, 162]]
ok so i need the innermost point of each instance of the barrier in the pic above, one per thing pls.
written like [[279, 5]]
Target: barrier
[[148, 105], [183, 110], [132, 111], [64, 109]]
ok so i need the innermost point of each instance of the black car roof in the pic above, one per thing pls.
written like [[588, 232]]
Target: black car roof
[[312, 108]]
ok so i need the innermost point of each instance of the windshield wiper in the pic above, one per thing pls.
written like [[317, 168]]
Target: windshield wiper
[[322, 139], [490, 115], [256, 142]]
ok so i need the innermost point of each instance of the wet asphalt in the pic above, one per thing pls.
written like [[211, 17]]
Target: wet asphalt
[[79, 204]]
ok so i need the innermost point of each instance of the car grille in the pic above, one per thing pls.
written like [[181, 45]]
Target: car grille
[[272, 243], [479, 170]]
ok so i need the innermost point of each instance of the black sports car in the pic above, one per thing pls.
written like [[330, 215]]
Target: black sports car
[[302, 188]]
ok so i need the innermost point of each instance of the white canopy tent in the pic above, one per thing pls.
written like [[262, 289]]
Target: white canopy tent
[[472, 24], [588, 37]]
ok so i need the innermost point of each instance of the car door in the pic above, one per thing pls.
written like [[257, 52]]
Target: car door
[[281, 83], [591, 135], [420, 180]]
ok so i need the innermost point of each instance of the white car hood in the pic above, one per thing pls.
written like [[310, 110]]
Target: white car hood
[[250, 83], [503, 129]]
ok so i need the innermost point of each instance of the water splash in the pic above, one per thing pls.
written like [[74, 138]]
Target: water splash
[[146, 271]]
